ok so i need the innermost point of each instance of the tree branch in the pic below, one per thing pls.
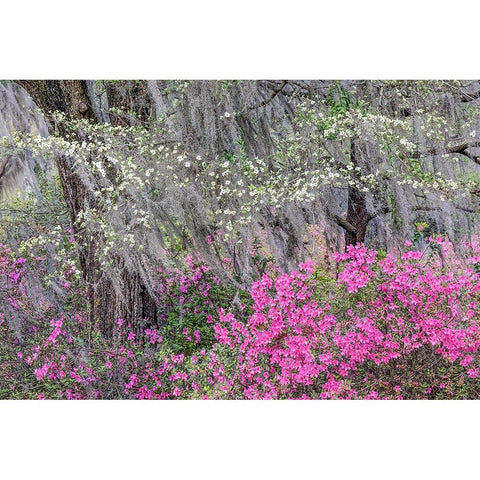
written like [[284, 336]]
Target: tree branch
[[469, 97], [460, 148], [268, 100], [3, 166], [341, 222]]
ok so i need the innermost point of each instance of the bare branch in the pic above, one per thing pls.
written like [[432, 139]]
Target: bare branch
[[3, 166], [268, 100], [341, 222], [461, 148]]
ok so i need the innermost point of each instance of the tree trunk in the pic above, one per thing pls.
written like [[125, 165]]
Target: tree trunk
[[130, 96], [105, 303], [357, 214]]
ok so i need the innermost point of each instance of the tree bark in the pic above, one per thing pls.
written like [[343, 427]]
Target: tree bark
[[133, 96], [130, 96], [357, 214], [105, 303]]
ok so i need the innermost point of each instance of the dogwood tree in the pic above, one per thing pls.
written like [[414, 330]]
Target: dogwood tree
[[227, 168]]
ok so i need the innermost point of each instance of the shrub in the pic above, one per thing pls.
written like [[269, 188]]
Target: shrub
[[397, 325]]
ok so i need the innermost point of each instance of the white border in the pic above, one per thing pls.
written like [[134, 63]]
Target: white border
[[247, 39]]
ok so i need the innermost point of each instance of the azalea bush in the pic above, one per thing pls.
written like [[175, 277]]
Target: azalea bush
[[402, 325], [188, 301], [392, 327], [53, 350]]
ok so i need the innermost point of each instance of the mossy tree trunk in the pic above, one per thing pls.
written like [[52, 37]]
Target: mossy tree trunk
[[357, 213], [105, 303]]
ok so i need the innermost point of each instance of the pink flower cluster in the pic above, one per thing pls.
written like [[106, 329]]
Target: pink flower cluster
[[299, 342], [403, 325]]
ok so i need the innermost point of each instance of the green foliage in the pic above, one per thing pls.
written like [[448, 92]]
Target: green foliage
[[340, 101], [421, 232], [227, 84], [397, 219], [188, 305]]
